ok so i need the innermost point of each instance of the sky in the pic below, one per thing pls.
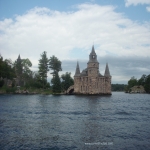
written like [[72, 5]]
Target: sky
[[119, 30]]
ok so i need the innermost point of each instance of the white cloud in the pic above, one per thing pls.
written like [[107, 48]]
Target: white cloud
[[64, 33], [136, 2], [148, 9]]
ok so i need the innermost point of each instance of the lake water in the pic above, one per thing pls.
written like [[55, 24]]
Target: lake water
[[119, 121]]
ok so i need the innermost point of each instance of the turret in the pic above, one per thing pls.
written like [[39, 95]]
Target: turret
[[93, 56], [19, 58], [77, 73], [107, 73]]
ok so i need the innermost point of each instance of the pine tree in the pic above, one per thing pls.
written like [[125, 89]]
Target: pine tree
[[56, 88], [67, 81], [43, 68], [55, 66]]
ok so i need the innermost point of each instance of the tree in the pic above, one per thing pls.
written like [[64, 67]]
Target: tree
[[27, 73], [55, 64], [132, 82], [147, 84], [43, 67], [56, 88], [1, 83], [67, 81], [118, 87], [142, 80], [6, 69]]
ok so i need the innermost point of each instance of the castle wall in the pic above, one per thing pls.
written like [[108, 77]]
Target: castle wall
[[89, 85]]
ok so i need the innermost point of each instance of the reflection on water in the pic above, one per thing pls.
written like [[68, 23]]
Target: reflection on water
[[120, 121]]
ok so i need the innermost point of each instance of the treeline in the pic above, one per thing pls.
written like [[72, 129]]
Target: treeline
[[144, 81], [19, 73], [118, 87]]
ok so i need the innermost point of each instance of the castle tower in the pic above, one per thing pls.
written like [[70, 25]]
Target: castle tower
[[19, 70], [107, 73], [77, 79], [90, 81], [77, 73], [107, 79], [93, 64]]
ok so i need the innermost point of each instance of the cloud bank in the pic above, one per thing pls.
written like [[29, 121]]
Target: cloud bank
[[136, 2], [70, 35]]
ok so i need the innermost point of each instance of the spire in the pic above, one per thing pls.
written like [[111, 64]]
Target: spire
[[93, 56], [107, 73], [93, 50], [19, 57], [77, 70]]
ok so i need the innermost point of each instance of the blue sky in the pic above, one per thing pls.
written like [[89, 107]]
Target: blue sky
[[119, 29]]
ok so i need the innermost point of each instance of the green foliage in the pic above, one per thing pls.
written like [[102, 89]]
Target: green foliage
[[67, 81], [1, 83], [55, 64], [19, 67], [144, 81], [147, 84], [118, 87], [11, 89], [132, 82], [43, 68], [56, 88], [6, 69], [27, 73]]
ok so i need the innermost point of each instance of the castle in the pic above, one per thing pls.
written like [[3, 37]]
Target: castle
[[90, 81]]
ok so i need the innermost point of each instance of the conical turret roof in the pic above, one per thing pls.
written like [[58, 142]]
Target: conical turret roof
[[77, 73], [107, 73], [93, 56], [19, 57], [93, 51]]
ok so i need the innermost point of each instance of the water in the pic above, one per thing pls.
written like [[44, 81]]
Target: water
[[120, 121]]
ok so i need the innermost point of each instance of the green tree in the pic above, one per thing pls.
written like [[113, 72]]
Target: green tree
[[27, 73], [6, 69], [67, 81], [19, 67], [54, 64], [43, 68], [132, 82], [1, 83], [56, 88], [147, 84], [118, 87], [142, 80]]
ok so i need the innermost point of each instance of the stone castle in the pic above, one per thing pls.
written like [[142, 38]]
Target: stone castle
[[90, 80]]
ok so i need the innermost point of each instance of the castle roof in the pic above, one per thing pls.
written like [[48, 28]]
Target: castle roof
[[93, 56], [77, 70], [93, 51], [107, 73], [19, 57], [84, 72]]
